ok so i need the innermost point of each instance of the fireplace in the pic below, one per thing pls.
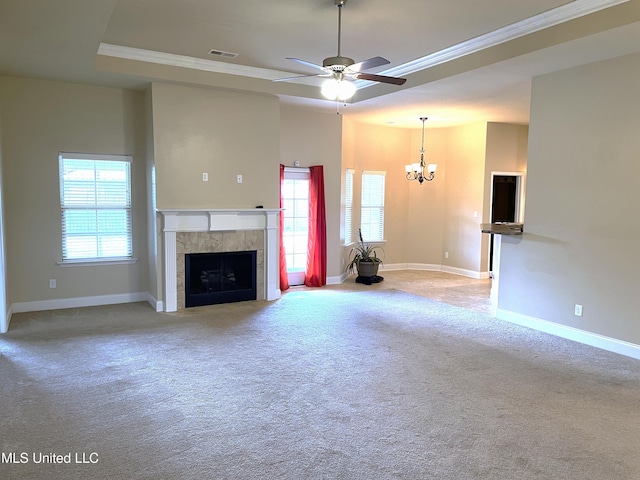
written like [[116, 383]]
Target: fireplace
[[186, 231], [224, 277]]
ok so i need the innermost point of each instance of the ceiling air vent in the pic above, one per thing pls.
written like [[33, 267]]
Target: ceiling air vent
[[220, 53]]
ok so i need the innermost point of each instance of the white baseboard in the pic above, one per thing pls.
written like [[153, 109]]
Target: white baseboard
[[432, 267], [158, 305], [464, 272], [429, 267], [337, 280], [77, 302], [570, 333], [4, 328]]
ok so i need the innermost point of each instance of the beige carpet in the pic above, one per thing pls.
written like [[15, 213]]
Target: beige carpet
[[332, 383]]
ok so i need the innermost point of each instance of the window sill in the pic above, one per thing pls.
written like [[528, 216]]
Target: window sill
[[92, 262]]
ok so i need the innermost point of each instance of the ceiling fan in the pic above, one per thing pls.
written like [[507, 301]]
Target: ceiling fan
[[341, 70]]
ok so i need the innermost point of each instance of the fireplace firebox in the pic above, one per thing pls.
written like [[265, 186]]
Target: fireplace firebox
[[212, 278]]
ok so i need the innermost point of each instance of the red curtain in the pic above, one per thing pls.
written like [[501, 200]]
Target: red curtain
[[316, 274], [284, 279]]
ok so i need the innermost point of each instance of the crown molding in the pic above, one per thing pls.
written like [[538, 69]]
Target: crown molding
[[550, 18], [184, 61]]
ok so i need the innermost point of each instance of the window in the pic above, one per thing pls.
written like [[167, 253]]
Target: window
[[348, 207], [372, 214], [95, 198]]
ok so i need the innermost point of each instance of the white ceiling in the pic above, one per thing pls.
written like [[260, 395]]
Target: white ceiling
[[487, 51]]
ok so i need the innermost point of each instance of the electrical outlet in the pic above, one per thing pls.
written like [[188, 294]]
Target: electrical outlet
[[52, 283], [578, 310], [239, 178], [205, 177], [446, 254]]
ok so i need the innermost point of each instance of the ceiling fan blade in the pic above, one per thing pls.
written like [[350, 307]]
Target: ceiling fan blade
[[304, 62], [368, 63], [380, 78]]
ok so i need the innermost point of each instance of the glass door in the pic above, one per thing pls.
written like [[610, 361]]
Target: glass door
[[295, 193]]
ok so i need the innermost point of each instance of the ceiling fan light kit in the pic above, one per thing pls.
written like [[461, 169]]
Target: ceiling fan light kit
[[343, 70], [334, 89]]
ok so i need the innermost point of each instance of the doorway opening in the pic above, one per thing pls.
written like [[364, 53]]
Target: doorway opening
[[295, 236], [507, 202]]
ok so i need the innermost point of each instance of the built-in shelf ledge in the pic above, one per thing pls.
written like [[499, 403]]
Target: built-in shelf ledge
[[220, 220], [503, 228]]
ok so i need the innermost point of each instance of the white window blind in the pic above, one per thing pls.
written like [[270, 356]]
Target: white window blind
[[372, 206], [95, 199], [348, 207]]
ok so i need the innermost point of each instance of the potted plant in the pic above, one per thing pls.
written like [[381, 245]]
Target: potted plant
[[364, 259]]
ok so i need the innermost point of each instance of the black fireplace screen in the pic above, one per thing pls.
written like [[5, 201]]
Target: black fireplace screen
[[212, 278]]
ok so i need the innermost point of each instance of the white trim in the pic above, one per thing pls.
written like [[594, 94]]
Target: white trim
[[4, 328], [58, 303], [184, 61], [555, 16], [466, 273], [297, 169], [92, 262], [519, 192], [214, 220], [96, 156], [192, 220], [433, 267], [570, 333], [337, 280], [170, 271], [156, 304], [550, 18]]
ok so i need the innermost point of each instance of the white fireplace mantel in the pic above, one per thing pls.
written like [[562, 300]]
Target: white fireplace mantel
[[216, 220]]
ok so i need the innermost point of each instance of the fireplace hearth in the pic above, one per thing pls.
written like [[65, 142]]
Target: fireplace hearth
[[224, 277]]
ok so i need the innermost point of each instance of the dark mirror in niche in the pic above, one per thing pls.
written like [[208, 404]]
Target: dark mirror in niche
[[212, 278]]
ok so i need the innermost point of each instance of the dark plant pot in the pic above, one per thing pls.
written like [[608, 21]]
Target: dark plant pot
[[368, 269]]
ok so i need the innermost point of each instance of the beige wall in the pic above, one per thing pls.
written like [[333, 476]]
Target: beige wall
[[315, 138], [424, 212], [220, 132], [581, 221], [39, 119], [464, 195], [370, 147]]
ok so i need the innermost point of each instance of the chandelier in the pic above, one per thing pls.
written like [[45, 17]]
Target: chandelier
[[415, 171]]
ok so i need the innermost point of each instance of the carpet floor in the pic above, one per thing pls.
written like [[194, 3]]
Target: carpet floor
[[320, 384]]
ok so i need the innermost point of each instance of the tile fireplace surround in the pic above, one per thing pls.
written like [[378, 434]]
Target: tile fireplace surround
[[200, 231]]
